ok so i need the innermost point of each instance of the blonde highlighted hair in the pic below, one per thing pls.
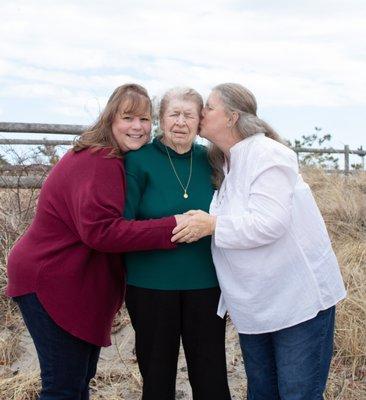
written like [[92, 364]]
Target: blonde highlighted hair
[[134, 99]]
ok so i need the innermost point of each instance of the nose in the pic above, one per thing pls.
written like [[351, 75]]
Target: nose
[[180, 119], [136, 123]]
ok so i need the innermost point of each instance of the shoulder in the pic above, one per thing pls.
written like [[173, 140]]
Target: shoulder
[[139, 155], [269, 151], [135, 158], [201, 152], [93, 161], [84, 168], [91, 154], [200, 149], [138, 161], [263, 154]]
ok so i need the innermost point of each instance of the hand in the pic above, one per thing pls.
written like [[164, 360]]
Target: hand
[[198, 225], [181, 218]]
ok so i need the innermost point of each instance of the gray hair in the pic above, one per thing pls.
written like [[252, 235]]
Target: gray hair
[[180, 93], [236, 98]]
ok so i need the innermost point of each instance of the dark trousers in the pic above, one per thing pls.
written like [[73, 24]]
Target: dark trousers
[[292, 363], [160, 318], [67, 363]]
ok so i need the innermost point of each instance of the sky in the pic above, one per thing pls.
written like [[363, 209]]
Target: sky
[[305, 61]]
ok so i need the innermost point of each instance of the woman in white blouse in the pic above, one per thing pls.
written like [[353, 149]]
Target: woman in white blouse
[[278, 274]]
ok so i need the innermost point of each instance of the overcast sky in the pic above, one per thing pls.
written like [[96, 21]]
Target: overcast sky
[[304, 60]]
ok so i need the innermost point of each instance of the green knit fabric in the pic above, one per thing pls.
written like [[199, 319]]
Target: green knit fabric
[[153, 191]]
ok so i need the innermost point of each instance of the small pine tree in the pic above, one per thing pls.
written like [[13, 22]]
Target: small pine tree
[[316, 140], [3, 161]]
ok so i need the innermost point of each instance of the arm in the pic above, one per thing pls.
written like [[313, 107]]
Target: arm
[[98, 203], [265, 220], [268, 214]]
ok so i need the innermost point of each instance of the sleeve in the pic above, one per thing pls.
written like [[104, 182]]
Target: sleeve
[[98, 202], [268, 213]]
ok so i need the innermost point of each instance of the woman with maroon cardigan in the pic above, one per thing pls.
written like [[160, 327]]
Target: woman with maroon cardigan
[[65, 272]]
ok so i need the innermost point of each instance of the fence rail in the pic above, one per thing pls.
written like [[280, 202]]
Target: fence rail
[[32, 178], [21, 127]]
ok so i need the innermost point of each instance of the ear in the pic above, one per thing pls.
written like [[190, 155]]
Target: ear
[[232, 120], [234, 117]]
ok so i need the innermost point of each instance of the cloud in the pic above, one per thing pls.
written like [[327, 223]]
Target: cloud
[[73, 54]]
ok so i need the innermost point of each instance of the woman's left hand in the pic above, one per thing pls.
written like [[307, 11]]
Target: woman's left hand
[[198, 225]]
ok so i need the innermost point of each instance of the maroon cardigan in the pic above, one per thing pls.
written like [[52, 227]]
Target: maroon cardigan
[[70, 255]]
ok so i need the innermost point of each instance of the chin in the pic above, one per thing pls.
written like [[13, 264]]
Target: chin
[[136, 146], [181, 141]]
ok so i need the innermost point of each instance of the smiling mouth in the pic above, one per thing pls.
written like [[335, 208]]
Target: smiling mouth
[[135, 136]]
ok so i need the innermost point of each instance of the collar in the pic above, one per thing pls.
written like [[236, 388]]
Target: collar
[[243, 143], [236, 150], [161, 147]]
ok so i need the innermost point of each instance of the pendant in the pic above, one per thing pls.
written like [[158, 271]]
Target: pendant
[[185, 195]]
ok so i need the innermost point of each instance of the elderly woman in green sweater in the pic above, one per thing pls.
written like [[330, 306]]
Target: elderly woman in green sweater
[[175, 294]]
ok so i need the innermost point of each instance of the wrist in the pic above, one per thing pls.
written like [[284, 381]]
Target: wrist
[[212, 224]]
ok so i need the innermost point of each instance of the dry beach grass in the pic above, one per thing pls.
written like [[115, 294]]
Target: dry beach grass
[[343, 204]]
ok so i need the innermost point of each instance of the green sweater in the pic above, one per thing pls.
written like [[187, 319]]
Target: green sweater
[[153, 191]]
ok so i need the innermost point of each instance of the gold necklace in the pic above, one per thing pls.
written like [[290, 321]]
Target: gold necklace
[[185, 194]]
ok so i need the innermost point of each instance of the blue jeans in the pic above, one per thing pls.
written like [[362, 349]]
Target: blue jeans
[[67, 363], [292, 363]]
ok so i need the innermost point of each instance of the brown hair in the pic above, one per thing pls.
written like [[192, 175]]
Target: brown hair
[[181, 93], [236, 98], [134, 99]]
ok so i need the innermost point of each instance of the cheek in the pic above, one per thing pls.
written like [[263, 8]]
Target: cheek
[[164, 125], [147, 127], [119, 128], [194, 127]]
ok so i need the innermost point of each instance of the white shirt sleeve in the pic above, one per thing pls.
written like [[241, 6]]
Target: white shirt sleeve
[[268, 213]]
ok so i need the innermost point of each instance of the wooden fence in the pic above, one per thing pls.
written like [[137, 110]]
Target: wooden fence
[[16, 176]]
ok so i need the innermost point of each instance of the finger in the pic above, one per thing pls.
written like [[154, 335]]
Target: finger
[[181, 238], [191, 212], [189, 239], [180, 227], [180, 234], [186, 239]]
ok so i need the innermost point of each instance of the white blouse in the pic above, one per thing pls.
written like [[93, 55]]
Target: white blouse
[[272, 253]]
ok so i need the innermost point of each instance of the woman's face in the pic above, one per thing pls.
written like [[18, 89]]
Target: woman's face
[[180, 124], [214, 118], [131, 131]]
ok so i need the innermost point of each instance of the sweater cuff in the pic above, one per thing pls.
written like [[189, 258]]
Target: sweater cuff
[[169, 223]]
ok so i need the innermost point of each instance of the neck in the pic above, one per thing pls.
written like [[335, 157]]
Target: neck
[[180, 149], [227, 144]]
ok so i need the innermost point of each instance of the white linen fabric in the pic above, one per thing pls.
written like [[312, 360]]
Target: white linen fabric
[[272, 253]]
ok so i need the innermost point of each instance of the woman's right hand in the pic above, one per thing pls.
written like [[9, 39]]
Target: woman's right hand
[[181, 218], [199, 225]]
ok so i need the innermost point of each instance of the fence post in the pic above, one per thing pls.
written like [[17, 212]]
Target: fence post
[[297, 156], [346, 159], [362, 159]]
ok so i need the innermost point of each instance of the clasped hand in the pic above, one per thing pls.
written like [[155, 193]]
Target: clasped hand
[[195, 226]]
